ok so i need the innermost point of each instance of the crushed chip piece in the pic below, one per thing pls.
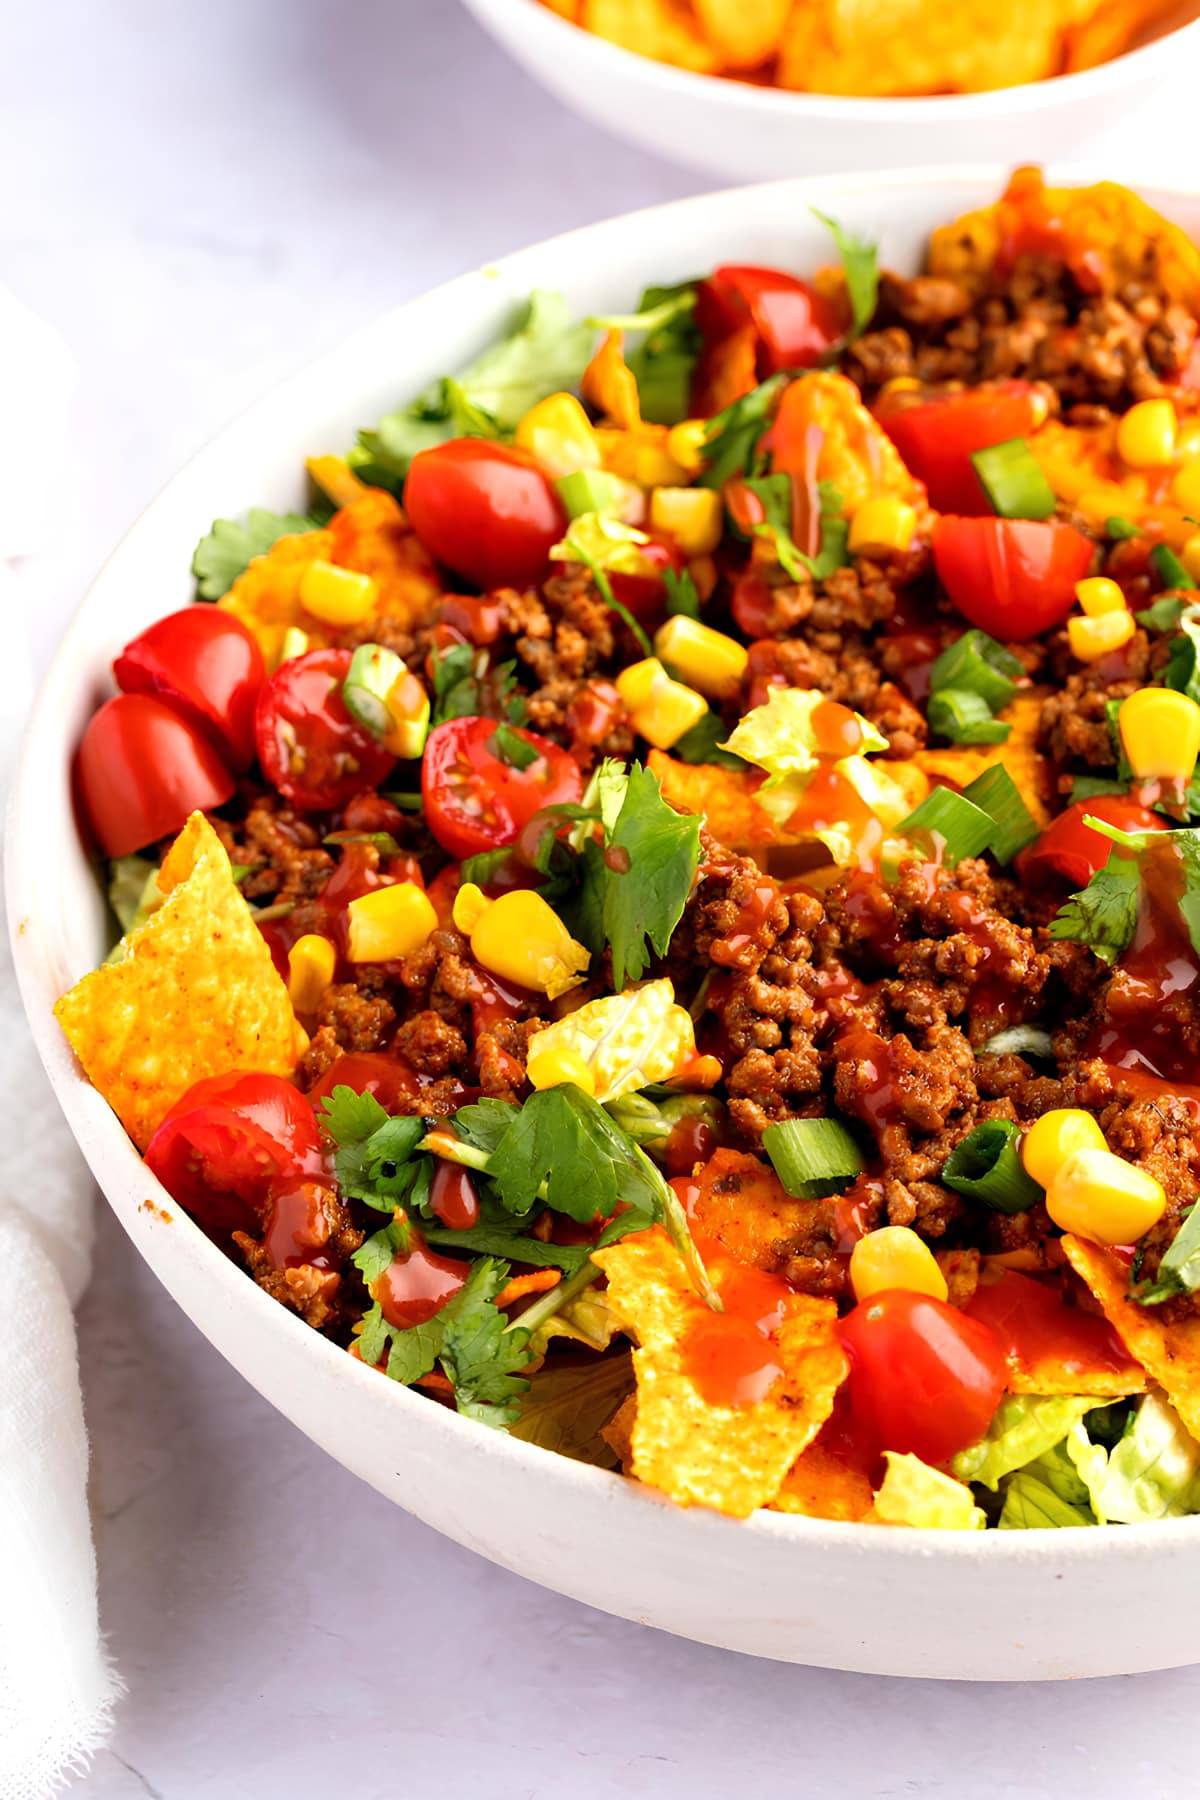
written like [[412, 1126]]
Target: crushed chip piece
[[742, 1205], [824, 1483], [1170, 1353], [196, 994], [662, 29], [732, 1458], [745, 32], [618, 1433]]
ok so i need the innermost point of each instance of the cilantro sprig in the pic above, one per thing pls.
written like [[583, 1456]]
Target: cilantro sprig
[[860, 265], [1104, 914], [229, 548], [775, 493]]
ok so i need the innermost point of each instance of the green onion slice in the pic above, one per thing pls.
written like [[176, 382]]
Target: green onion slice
[[1170, 570], [964, 828], [1118, 529], [373, 673], [813, 1157], [979, 664], [1012, 479], [986, 1166], [996, 793], [964, 718]]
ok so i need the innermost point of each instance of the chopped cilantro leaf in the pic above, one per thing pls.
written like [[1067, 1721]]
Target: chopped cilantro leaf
[[485, 1123], [373, 1160], [379, 1251], [1179, 1269], [775, 493], [560, 1146], [665, 360], [682, 597], [1164, 615], [1183, 654], [470, 1337], [732, 443], [702, 744], [229, 548], [464, 687], [860, 264], [507, 747], [1103, 915]]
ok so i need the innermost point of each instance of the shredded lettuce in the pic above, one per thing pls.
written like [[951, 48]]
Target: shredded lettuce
[[779, 736], [1030, 1504], [1152, 1473], [914, 1494], [1025, 1427]]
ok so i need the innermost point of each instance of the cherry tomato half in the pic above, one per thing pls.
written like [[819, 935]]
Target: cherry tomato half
[[936, 437], [476, 801], [227, 1141], [795, 325], [1072, 849], [205, 664], [1011, 577], [308, 744], [141, 769], [485, 511], [923, 1377]]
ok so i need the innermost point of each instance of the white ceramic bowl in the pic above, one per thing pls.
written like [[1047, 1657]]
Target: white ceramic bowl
[[1000, 1605], [749, 133]]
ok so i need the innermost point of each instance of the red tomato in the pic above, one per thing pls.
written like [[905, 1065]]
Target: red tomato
[[223, 1145], [141, 769], [393, 1081], [474, 800], [1072, 849], [1012, 577], [308, 744], [795, 326], [923, 1377], [937, 436], [645, 595], [485, 511], [205, 664]]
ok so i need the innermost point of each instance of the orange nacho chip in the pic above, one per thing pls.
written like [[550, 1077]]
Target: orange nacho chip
[[741, 1204], [1105, 233], [823, 1484], [371, 536], [732, 1458], [195, 994], [1170, 1354]]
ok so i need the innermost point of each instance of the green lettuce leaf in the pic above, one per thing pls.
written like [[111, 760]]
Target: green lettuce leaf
[[1152, 1473], [1025, 1427], [230, 548], [565, 1408], [779, 736], [1031, 1504]]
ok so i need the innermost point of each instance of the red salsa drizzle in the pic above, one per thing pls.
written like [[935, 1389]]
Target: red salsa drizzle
[[414, 1287], [1141, 1030], [732, 1356], [1037, 1326]]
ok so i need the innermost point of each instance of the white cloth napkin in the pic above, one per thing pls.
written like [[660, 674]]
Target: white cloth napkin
[[56, 1684]]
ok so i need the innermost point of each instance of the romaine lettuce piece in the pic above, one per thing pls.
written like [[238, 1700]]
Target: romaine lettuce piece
[[1152, 1473], [1032, 1505], [1025, 1426]]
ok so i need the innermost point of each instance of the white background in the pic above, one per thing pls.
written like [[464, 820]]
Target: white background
[[201, 196]]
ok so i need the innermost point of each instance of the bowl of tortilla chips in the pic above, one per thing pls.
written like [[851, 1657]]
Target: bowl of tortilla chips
[[748, 89], [796, 1576]]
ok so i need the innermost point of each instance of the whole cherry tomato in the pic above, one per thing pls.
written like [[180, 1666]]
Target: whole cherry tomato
[[308, 745], [205, 664], [474, 799], [937, 436], [141, 769], [1011, 577], [228, 1140], [795, 325], [485, 511], [1072, 849], [923, 1376]]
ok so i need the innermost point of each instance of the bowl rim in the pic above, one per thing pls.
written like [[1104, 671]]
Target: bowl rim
[[102, 1138], [782, 103]]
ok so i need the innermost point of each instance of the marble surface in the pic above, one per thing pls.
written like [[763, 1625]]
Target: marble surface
[[201, 197]]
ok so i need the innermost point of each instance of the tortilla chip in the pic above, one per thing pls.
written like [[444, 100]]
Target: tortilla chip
[[960, 764], [372, 536], [618, 1433], [823, 1484], [1082, 466], [880, 47], [732, 1458], [662, 29], [745, 32], [1105, 235], [196, 994], [1114, 28], [1170, 1354], [741, 1204], [853, 452], [724, 797]]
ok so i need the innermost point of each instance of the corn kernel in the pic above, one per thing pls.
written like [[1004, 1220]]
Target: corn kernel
[[559, 434], [521, 938], [685, 442], [694, 517], [1054, 1138], [337, 596], [1098, 595], [1099, 1196], [295, 643], [636, 683], [554, 1067], [900, 384], [883, 523], [1090, 639], [1185, 488], [390, 922], [894, 1257], [1189, 556], [707, 660], [1146, 435], [311, 962], [1160, 732]]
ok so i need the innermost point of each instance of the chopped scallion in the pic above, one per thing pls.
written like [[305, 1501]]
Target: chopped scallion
[[996, 793], [963, 828], [964, 718], [977, 663], [1171, 571], [813, 1157], [1089, 787], [1118, 529], [986, 1166], [1012, 479], [508, 746]]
